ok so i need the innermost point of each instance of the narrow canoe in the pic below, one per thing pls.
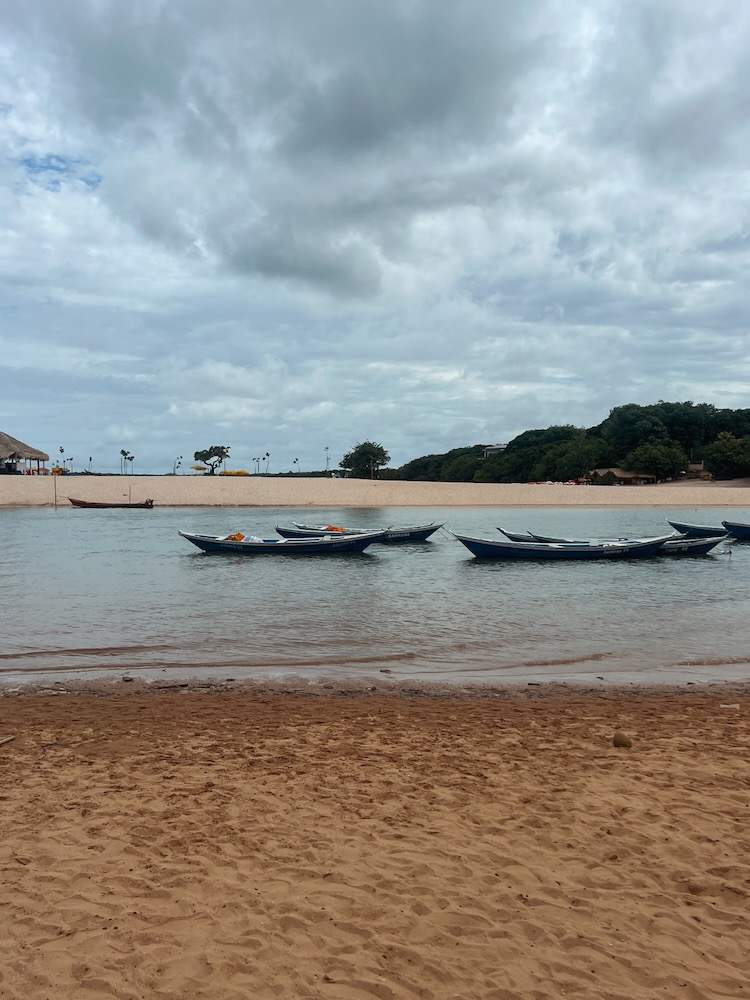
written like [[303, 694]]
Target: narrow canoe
[[576, 541], [675, 546], [410, 533], [486, 548], [519, 536], [738, 529], [282, 546], [697, 530], [142, 505]]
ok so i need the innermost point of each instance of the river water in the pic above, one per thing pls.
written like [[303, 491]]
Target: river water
[[90, 594]]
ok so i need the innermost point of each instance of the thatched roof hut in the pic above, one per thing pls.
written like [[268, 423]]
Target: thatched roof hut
[[12, 450]]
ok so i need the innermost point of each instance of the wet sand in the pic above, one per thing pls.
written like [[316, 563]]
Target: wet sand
[[327, 842], [299, 491]]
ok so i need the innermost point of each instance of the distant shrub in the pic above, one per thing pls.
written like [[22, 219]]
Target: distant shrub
[[234, 472]]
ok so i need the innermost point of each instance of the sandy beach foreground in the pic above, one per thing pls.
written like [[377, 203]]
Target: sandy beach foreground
[[300, 491], [286, 844]]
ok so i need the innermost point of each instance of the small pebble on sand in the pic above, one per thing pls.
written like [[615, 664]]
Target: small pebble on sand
[[622, 741]]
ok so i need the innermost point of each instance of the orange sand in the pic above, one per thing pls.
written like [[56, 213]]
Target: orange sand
[[299, 491], [261, 844]]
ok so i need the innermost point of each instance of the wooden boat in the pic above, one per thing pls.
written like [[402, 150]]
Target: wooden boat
[[676, 545], [519, 536], [239, 544], [411, 533], [487, 548], [691, 546], [738, 529], [142, 505], [575, 541], [697, 530]]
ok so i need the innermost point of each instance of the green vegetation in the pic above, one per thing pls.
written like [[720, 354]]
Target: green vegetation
[[729, 456], [660, 439], [212, 457], [365, 460], [125, 457]]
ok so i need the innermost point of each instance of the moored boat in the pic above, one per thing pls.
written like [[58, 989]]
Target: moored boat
[[738, 529], [676, 545], [249, 545], [691, 546], [487, 548], [409, 533], [518, 536], [141, 505], [576, 541], [697, 530]]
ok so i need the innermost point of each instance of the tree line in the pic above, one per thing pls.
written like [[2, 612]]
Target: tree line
[[660, 439]]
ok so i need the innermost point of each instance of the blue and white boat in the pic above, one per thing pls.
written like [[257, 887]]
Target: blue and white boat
[[392, 534], [250, 545], [488, 548]]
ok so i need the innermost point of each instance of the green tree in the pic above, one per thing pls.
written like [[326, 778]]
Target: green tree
[[212, 457], [365, 459], [728, 457], [461, 468], [522, 459], [571, 459], [663, 459], [629, 426]]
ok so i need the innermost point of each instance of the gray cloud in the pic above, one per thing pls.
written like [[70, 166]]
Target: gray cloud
[[303, 224]]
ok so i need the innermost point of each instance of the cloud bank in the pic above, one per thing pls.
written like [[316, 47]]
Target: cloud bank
[[298, 225]]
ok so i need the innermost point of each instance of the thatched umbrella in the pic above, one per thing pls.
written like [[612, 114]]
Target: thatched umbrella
[[13, 451]]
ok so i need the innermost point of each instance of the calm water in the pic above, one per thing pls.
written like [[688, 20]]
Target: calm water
[[101, 592]]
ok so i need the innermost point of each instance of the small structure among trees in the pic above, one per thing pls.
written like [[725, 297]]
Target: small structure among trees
[[621, 477]]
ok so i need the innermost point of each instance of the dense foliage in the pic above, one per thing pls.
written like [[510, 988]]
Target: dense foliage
[[365, 460], [660, 439], [212, 457]]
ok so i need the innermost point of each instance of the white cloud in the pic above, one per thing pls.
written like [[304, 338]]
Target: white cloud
[[429, 224]]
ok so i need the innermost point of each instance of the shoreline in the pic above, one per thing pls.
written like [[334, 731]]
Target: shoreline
[[281, 846], [331, 687], [227, 491]]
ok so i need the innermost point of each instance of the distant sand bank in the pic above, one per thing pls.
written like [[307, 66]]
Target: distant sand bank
[[199, 491], [279, 846]]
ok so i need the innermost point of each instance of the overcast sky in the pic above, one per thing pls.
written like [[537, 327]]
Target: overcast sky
[[283, 226]]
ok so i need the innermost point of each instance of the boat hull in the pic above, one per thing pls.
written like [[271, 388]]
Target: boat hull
[[519, 536], [738, 530], [270, 546], [691, 546], [572, 541], [698, 530], [485, 548], [681, 546], [142, 505], [391, 536]]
